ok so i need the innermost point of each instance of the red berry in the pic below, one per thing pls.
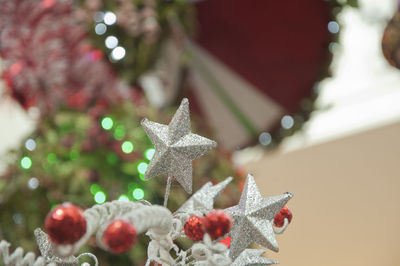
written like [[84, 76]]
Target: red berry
[[217, 223], [119, 236], [65, 224], [194, 228], [280, 217]]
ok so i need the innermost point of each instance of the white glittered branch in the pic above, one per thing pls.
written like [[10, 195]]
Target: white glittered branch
[[143, 217], [17, 258]]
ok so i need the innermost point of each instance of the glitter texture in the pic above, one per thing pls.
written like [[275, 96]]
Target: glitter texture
[[252, 257], [176, 147], [46, 250], [253, 218], [203, 200]]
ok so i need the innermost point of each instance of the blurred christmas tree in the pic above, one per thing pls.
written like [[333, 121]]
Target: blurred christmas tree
[[88, 146]]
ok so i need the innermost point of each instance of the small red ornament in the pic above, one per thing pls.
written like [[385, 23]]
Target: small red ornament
[[119, 236], [217, 223], [65, 224], [280, 217], [194, 228]]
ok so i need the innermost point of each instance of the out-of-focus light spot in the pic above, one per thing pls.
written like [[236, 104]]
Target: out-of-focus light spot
[[265, 138], [30, 144], [332, 47], [107, 123], [98, 16], [287, 122], [17, 218], [100, 29], [149, 153], [119, 132], [51, 158], [110, 18], [16, 68], [33, 183], [111, 42], [127, 147], [138, 193], [142, 167], [333, 27], [26, 162], [47, 3], [118, 53], [123, 198], [100, 197], [74, 154], [94, 188]]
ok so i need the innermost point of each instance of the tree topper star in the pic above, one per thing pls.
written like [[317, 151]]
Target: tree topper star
[[254, 218], [176, 147]]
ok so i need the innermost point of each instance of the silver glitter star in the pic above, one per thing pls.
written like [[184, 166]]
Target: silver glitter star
[[203, 200], [176, 147], [46, 249], [252, 257], [254, 218]]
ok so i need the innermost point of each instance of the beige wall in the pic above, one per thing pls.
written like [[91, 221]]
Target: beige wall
[[346, 203]]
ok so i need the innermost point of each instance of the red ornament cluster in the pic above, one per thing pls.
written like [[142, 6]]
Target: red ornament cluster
[[65, 224], [119, 236], [280, 217], [216, 223]]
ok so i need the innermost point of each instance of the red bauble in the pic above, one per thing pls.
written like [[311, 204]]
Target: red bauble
[[217, 223], [119, 236], [280, 217], [65, 224], [194, 228]]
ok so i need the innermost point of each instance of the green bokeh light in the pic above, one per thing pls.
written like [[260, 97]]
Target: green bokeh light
[[142, 167], [94, 188], [100, 197], [149, 153], [107, 123], [51, 158], [119, 132], [26, 162], [127, 147], [123, 198], [74, 154], [138, 193]]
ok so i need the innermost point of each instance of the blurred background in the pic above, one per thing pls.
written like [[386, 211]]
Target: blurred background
[[304, 95]]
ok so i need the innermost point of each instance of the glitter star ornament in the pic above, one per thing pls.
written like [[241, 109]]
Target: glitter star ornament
[[254, 218], [176, 147], [252, 257], [203, 200]]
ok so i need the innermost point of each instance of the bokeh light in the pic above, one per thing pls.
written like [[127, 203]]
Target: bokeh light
[[127, 147], [149, 153], [111, 42], [30, 144], [119, 132], [110, 18], [118, 53], [138, 193], [265, 138], [142, 167], [100, 29], [26, 162], [94, 188], [100, 197], [107, 123], [33, 183], [287, 122], [123, 198], [333, 27]]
